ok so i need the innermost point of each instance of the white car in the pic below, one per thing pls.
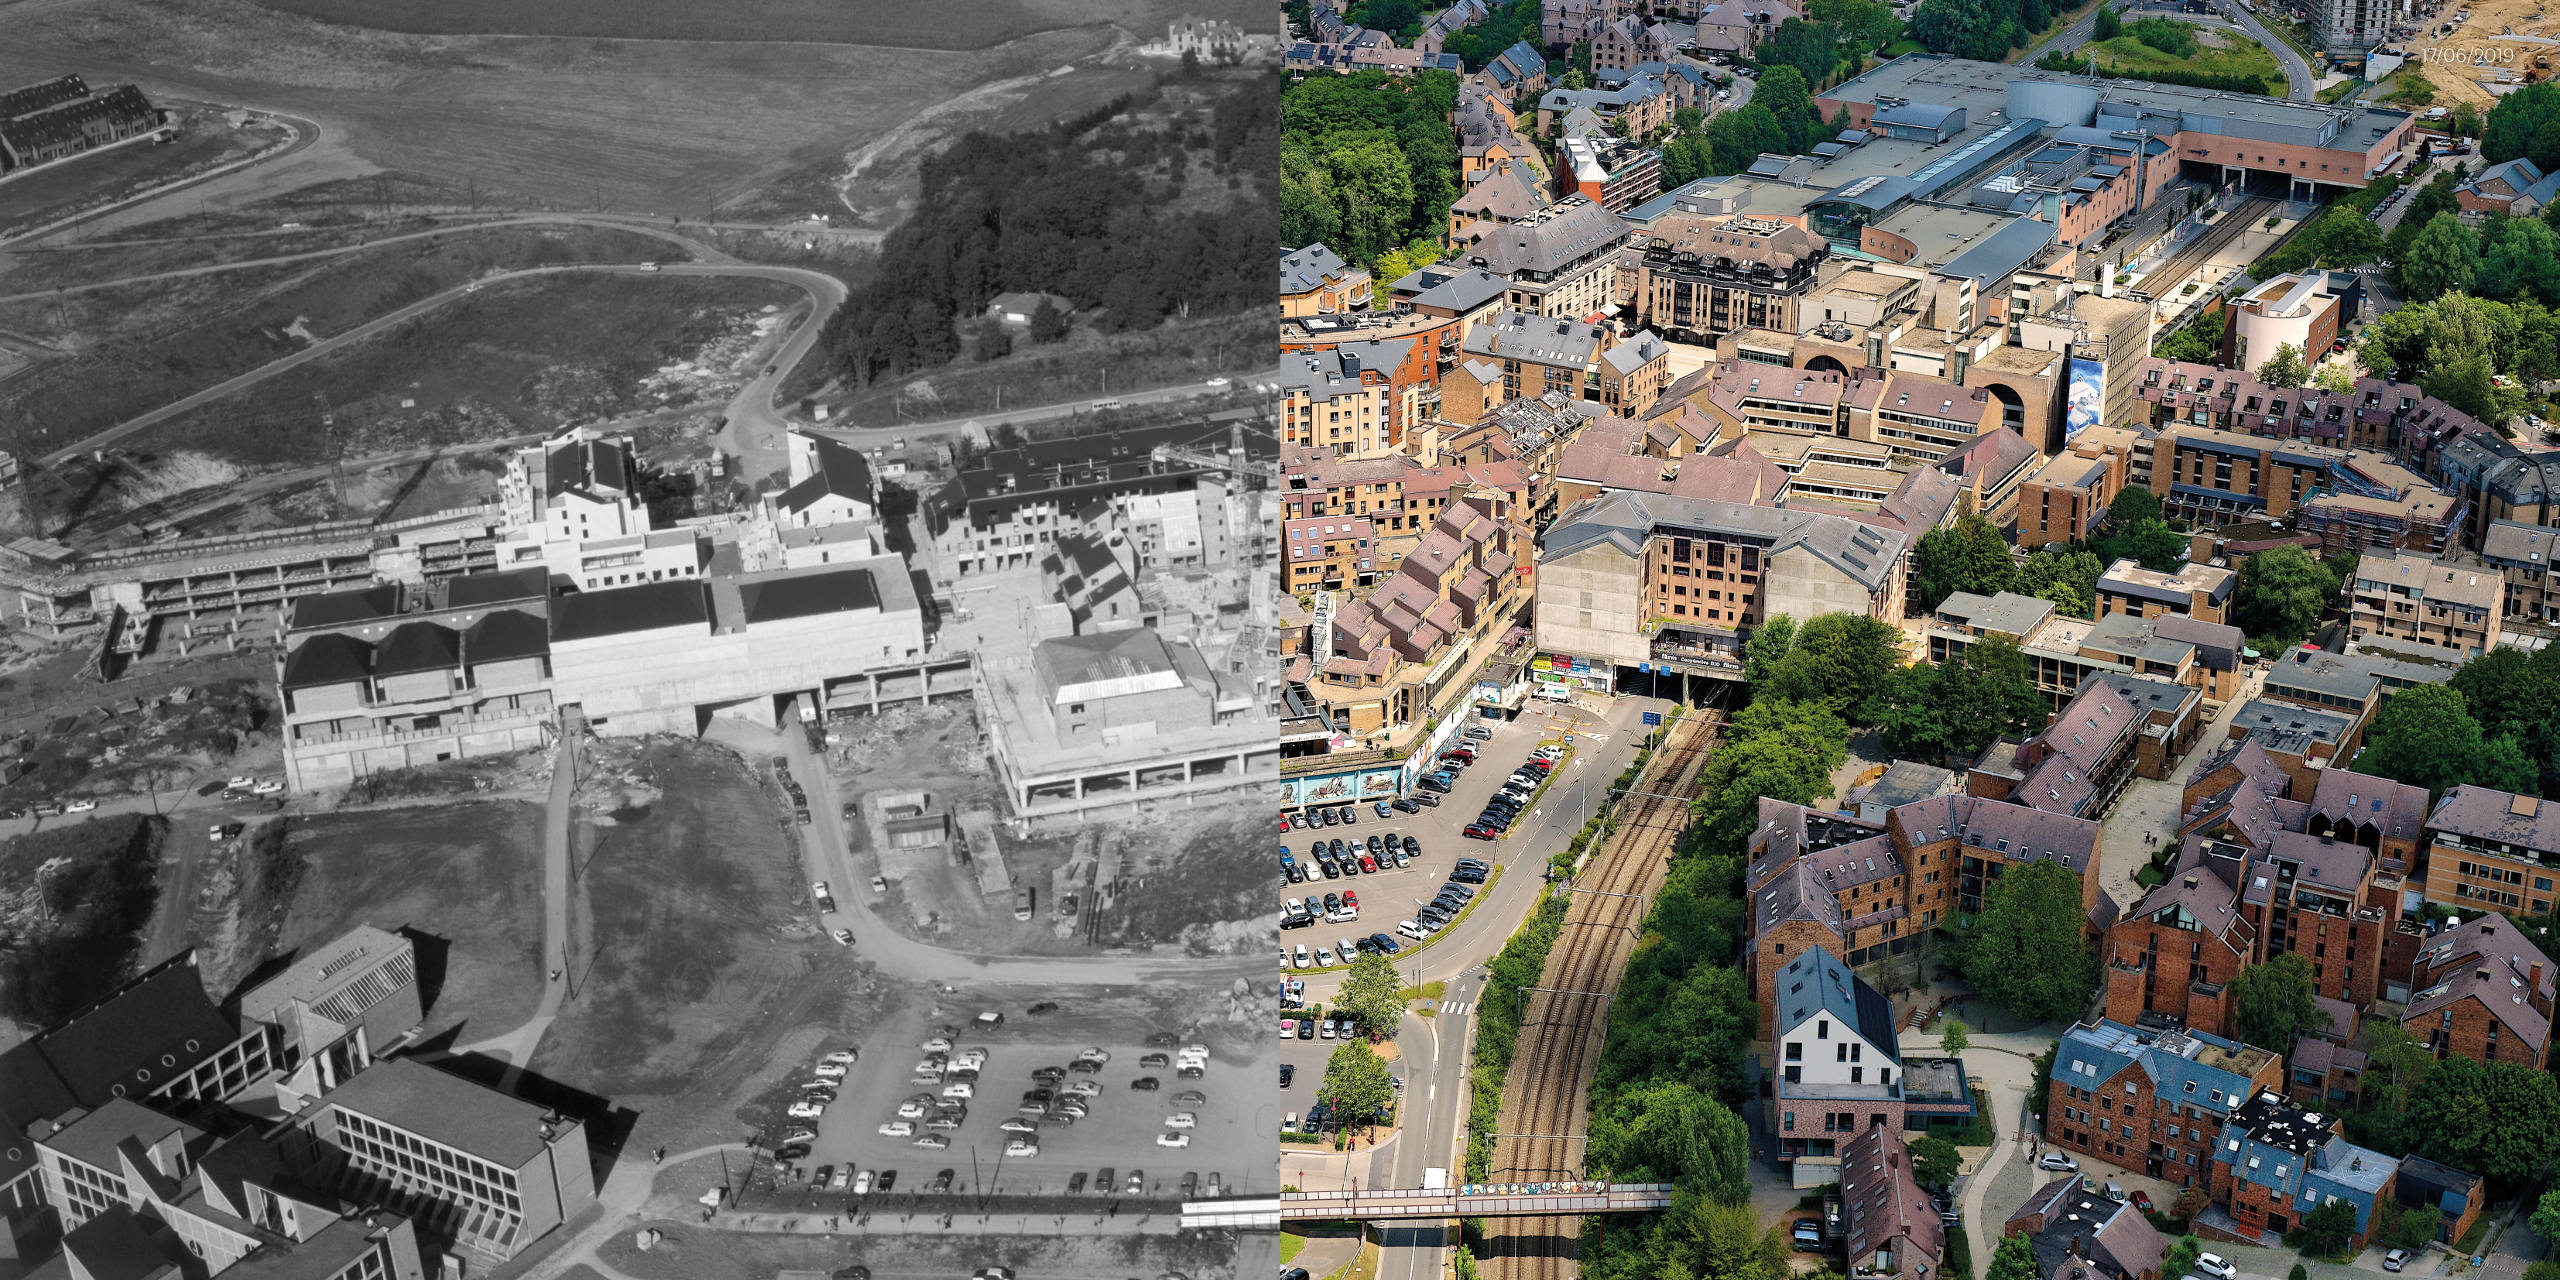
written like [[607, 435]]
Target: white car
[[799, 1135], [266, 788], [959, 1089], [241, 782], [830, 1070], [938, 1044], [806, 1110], [1020, 1125], [911, 1109], [898, 1129], [82, 806], [1173, 1139], [2211, 1264], [929, 1066], [974, 1058], [1082, 1088], [2058, 1162], [1288, 1028], [934, 1142], [862, 1183], [1182, 1120], [841, 1057], [1094, 1055], [1022, 1150], [1324, 956], [1301, 957]]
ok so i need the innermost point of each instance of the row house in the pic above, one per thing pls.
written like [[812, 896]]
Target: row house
[[1624, 43], [2154, 1100], [2275, 1162], [1867, 891], [2078, 1234], [2377, 415], [1460, 15], [1396, 493], [1518, 70], [2218, 477], [2454, 605], [2062, 653], [1508, 192], [1316, 281], [1327, 554], [1563, 22], [1385, 664]]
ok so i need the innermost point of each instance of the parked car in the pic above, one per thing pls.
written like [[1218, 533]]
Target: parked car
[[2395, 1259], [2058, 1162], [1173, 1139], [1808, 1235], [2212, 1264]]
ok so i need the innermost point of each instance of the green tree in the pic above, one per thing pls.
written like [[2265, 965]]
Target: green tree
[[1953, 1041], [2282, 593], [1369, 996], [2498, 1119], [2395, 343], [1773, 748], [1958, 708], [1358, 1082], [2442, 259], [1668, 1131], [1687, 158], [2067, 578], [2026, 949], [1737, 138], [2520, 260], [2132, 504], [2395, 1063], [2525, 123], [1840, 659], [1760, 654], [1706, 1239], [2323, 1232], [1048, 324], [1935, 1162], [2276, 1002], [1782, 91], [2014, 1259], [2425, 736], [2184, 1251], [2109, 25], [2283, 367], [2546, 1215], [1969, 555]]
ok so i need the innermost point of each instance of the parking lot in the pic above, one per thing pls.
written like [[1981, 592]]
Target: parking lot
[[1390, 897], [1234, 1123]]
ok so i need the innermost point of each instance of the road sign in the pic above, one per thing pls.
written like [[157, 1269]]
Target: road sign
[[1653, 717]]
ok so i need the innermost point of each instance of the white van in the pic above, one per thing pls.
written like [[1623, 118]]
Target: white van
[[1555, 693], [1301, 957]]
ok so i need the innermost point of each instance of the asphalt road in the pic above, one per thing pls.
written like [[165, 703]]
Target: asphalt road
[[2297, 69]]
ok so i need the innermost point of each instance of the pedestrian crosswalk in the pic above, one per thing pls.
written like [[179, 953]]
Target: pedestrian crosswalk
[[1456, 1006]]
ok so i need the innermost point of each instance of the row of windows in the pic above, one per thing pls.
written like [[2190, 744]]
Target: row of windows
[[465, 1170]]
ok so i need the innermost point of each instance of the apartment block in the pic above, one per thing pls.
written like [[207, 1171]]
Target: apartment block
[[2482, 990], [2078, 1234], [1356, 398], [1559, 261], [2454, 605], [1704, 277], [2493, 850], [2152, 1100], [1842, 1074], [2217, 477], [2274, 1162], [1381, 664], [2114, 726], [2068, 493], [490, 1171], [2522, 555], [2198, 591]]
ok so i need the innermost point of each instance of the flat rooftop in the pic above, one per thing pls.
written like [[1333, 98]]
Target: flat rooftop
[[1982, 90]]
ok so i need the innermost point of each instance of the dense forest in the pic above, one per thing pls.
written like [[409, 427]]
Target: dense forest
[[1368, 162], [1115, 211]]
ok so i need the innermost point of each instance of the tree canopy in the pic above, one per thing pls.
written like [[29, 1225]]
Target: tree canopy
[[2425, 736], [1369, 996], [1969, 555], [1087, 209], [1934, 711], [2276, 1002], [2281, 594], [1839, 660], [1367, 162], [1358, 1082], [2026, 949], [2499, 1119]]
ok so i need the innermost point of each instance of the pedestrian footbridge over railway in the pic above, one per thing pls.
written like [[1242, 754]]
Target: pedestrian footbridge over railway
[[1476, 1200]]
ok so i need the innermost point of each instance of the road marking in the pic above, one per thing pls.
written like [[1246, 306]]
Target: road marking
[[1456, 1006]]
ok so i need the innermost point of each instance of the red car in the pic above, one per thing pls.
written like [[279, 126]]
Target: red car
[[1368, 864], [1477, 831], [1350, 899], [2142, 1200]]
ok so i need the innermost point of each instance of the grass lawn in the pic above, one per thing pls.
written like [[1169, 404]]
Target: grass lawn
[[1903, 46], [2342, 89], [2217, 53], [204, 141], [469, 874], [1290, 1245], [1959, 1265]]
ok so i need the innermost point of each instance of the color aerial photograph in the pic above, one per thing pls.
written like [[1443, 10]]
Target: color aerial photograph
[[1918, 640], [609, 612]]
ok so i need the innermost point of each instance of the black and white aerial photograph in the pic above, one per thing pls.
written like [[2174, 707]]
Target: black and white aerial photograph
[[634, 639]]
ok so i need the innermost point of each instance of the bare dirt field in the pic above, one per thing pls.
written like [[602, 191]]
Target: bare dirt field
[[693, 953], [149, 344], [519, 356], [465, 873], [205, 140], [2466, 63], [639, 125], [870, 22]]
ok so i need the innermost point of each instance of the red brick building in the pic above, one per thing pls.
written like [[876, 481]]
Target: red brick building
[[2482, 991], [2151, 1100]]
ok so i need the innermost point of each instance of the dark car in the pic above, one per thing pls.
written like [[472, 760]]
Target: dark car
[[942, 1181], [1403, 805], [1427, 799], [1413, 846], [1372, 844], [1350, 815], [794, 1151], [1146, 1084], [1288, 1074], [1385, 943], [888, 1178], [1306, 1028]]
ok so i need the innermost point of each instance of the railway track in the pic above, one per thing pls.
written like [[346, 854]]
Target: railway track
[[2210, 243], [1545, 1100]]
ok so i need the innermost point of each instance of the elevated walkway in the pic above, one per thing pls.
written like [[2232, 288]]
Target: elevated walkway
[[1480, 1200]]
